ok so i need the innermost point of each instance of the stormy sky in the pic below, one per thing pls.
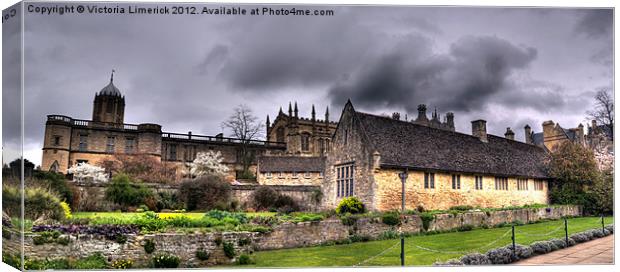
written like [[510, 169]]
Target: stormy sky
[[509, 66]]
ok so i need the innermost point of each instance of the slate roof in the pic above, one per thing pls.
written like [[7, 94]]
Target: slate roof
[[404, 144], [291, 164]]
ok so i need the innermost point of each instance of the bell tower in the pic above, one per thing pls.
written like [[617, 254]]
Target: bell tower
[[109, 105]]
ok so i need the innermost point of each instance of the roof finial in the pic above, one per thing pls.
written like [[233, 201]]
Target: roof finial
[[112, 76]]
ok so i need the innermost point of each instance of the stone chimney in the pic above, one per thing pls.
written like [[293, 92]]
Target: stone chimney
[[528, 134], [422, 113], [376, 160], [479, 129], [510, 135], [580, 134], [450, 120], [396, 116]]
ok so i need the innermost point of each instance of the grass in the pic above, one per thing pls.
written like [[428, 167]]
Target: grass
[[470, 241]]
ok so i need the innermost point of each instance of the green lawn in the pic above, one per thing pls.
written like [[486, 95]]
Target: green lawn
[[470, 241]]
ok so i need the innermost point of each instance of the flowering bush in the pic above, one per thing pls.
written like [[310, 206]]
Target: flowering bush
[[350, 205], [66, 209], [122, 264], [164, 260], [207, 163], [86, 172]]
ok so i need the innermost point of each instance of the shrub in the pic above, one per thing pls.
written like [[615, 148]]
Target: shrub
[[610, 228], [462, 208], [388, 234], [466, 227], [244, 241], [426, 218], [559, 243], [245, 259], [220, 215], [264, 197], [202, 254], [521, 252], [121, 238], [66, 210], [391, 218], [359, 238], [349, 219], [579, 238], [598, 233], [218, 241], [109, 231], [122, 264], [571, 242], [501, 255], [94, 261], [168, 200], [350, 205], [286, 204], [165, 260], [205, 193], [38, 202], [229, 250], [6, 234], [47, 264], [149, 246], [124, 191], [57, 183], [541, 247], [475, 259]]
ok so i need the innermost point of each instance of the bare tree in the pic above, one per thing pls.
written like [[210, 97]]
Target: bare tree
[[244, 126], [603, 111]]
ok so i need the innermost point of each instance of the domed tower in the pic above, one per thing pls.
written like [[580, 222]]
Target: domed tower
[[109, 105]]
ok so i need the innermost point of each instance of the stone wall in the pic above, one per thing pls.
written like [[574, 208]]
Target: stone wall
[[286, 235], [290, 178], [94, 194], [442, 197]]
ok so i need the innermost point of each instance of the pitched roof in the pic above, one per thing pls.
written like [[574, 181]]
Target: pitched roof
[[404, 144], [290, 164]]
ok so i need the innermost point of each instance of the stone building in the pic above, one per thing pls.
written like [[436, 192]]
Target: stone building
[[445, 168], [303, 136], [292, 171], [69, 141]]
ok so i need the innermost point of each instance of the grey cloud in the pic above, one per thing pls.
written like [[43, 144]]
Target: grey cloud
[[596, 23], [475, 69]]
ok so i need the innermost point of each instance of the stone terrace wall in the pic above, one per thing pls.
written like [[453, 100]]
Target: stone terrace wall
[[286, 235], [94, 193]]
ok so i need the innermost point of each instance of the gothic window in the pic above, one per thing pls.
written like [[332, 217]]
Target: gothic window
[[280, 134], [478, 182], [190, 153], [456, 182], [110, 144], [305, 142], [429, 180], [173, 152], [321, 146], [129, 145], [83, 142], [345, 179], [54, 167]]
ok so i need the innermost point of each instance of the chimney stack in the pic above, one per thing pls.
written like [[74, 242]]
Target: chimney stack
[[450, 120], [396, 116], [422, 113], [479, 129], [510, 135], [528, 134]]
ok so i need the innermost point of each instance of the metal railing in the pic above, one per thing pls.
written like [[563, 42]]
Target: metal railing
[[221, 139]]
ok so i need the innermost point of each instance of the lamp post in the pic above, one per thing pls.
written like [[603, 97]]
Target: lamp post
[[403, 179]]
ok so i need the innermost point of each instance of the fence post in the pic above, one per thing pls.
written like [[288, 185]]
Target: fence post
[[566, 231], [603, 223], [514, 248]]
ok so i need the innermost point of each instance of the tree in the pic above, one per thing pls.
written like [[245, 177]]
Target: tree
[[86, 172], [207, 163], [244, 126], [206, 193], [603, 111], [141, 167]]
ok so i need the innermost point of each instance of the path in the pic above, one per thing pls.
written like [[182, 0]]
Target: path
[[599, 251]]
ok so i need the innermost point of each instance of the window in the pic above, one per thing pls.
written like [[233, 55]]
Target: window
[[346, 136], [456, 182], [522, 184], [294, 174], [305, 142], [83, 142], [280, 174], [478, 182], [321, 174], [173, 152], [501, 183], [109, 147], [345, 180], [268, 174], [307, 175], [56, 140], [539, 185], [321, 146], [129, 145], [429, 180], [81, 161]]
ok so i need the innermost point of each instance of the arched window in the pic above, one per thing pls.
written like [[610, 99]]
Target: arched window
[[55, 166], [321, 146], [280, 134]]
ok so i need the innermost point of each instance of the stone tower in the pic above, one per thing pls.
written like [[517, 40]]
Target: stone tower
[[109, 105]]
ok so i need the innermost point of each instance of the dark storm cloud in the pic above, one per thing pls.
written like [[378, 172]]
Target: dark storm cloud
[[596, 23], [474, 70]]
